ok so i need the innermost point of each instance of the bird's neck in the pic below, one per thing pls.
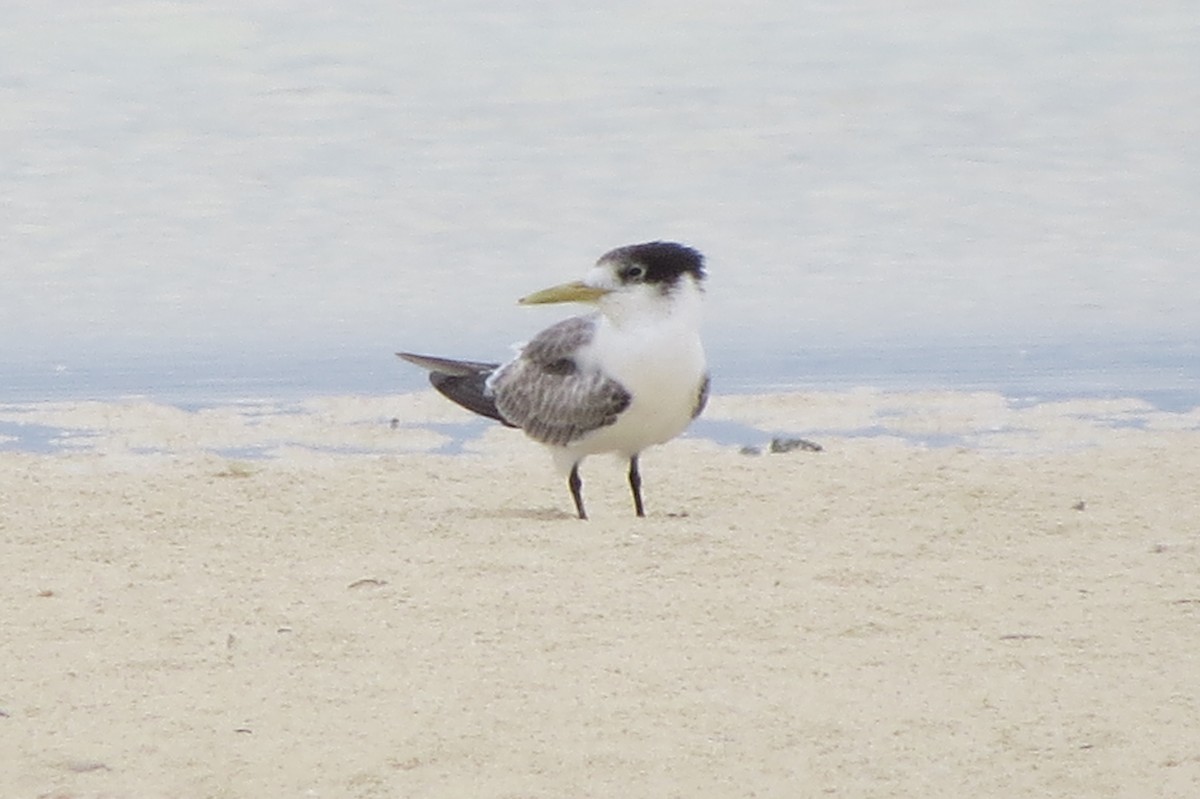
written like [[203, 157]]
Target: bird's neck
[[684, 309]]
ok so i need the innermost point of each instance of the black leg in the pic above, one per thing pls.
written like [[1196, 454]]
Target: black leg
[[635, 485], [576, 485]]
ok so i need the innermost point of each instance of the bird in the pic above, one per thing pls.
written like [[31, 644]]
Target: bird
[[629, 375]]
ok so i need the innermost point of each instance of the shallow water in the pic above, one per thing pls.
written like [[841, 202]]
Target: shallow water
[[210, 200]]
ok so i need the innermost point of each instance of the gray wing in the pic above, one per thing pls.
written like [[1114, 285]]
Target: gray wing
[[701, 397], [545, 393]]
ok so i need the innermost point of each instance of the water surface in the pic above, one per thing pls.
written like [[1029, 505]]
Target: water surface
[[214, 198]]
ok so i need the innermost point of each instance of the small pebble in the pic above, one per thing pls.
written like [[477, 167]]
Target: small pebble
[[84, 766], [779, 445]]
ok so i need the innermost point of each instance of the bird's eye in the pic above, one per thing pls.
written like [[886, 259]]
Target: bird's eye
[[635, 272]]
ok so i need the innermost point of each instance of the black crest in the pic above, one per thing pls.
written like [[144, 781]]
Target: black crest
[[660, 262]]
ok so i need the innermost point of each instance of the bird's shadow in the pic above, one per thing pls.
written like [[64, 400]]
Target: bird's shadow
[[523, 514], [548, 514]]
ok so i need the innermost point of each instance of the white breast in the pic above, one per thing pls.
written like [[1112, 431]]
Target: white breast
[[660, 362]]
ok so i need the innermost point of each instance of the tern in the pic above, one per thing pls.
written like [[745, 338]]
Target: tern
[[630, 375]]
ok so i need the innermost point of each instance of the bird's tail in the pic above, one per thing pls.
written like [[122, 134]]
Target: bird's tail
[[462, 382]]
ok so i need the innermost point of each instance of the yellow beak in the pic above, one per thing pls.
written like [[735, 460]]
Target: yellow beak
[[567, 292]]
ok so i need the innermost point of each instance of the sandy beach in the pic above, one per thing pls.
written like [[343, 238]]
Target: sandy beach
[[960, 595]]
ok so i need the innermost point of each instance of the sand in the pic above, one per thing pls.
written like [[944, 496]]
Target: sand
[[959, 596]]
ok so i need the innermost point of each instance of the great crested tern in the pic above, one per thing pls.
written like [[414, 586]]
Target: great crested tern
[[628, 376]]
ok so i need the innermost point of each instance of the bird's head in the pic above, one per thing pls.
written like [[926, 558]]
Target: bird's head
[[637, 281]]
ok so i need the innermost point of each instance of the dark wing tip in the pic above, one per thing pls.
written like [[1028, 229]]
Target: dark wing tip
[[469, 391], [447, 366], [462, 382]]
